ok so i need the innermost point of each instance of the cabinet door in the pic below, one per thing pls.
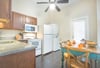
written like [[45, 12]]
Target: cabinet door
[[33, 20], [23, 21], [27, 21], [5, 12], [17, 21], [5, 8]]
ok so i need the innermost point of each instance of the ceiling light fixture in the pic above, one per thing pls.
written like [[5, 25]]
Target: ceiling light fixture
[[52, 6]]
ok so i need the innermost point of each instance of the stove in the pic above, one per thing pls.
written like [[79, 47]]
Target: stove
[[37, 44]]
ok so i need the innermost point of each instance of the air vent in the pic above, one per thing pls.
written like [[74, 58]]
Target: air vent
[[62, 1]]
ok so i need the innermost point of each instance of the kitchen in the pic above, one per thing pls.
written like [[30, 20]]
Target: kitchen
[[28, 8]]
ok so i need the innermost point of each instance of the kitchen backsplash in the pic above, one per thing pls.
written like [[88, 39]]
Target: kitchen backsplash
[[8, 34]]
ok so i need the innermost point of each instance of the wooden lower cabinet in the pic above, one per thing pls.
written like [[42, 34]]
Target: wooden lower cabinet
[[24, 59]]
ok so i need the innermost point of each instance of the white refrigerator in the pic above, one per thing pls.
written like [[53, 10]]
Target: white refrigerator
[[55, 30], [51, 38]]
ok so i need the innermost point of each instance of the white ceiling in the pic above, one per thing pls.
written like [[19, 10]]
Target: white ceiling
[[70, 1], [41, 7]]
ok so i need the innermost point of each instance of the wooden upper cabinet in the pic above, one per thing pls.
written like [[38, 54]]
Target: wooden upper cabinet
[[19, 20], [5, 12], [33, 20], [16, 20], [28, 20], [5, 8]]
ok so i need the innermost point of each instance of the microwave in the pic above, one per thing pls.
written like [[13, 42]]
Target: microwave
[[31, 28]]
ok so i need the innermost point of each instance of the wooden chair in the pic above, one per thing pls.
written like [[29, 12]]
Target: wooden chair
[[63, 43], [91, 43], [64, 53], [75, 58]]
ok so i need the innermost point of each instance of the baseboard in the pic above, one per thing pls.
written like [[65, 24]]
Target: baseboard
[[57, 50]]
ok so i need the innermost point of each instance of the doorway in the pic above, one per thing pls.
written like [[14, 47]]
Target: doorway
[[79, 29]]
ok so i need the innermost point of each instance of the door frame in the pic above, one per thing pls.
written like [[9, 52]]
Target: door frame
[[87, 26]]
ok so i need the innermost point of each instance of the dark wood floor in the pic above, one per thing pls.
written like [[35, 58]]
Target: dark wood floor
[[52, 60]]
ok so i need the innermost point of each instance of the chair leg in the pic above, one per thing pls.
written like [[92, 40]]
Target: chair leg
[[68, 62], [62, 64], [65, 63]]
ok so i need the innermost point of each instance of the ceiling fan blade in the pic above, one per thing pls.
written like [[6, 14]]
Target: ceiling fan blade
[[46, 9], [42, 2], [58, 9]]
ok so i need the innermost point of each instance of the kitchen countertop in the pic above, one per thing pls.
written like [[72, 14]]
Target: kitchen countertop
[[11, 47]]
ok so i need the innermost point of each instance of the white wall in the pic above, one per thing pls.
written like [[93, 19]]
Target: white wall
[[98, 19], [86, 8], [63, 18], [8, 34], [24, 6], [60, 18], [82, 8]]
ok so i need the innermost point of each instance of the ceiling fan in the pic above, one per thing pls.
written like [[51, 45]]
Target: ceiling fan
[[53, 2]]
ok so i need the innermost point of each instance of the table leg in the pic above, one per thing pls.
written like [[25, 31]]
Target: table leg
[[97, 64], [93, 64]]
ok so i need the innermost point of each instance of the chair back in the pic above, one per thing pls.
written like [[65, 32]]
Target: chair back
[[91, 43], [63, 43], [77, 55]]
